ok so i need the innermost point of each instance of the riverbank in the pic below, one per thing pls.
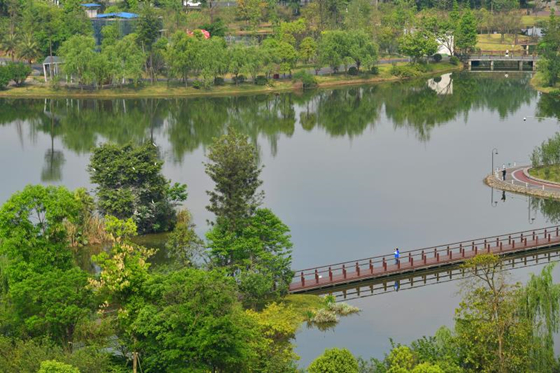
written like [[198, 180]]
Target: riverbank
[[163, 90], [537, 82]]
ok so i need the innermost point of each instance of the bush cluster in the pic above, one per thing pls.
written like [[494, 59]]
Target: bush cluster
[[14, 71], [307, 79], [454, 60]]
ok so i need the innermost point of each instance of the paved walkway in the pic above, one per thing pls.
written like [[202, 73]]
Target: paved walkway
[[517, 181]]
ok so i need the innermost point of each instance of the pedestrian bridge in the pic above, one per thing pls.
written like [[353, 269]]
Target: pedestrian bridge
[[329, 278], [503, 62]]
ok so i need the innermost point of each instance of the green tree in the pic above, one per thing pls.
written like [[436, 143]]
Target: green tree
[[182, 55], [238, 59], [540, 304], [78, 53], [183, 244], [27, 48], [233, 166], [18, 72], [148, 30], [362, 50], [126, 59], [193, 321], [549, 47], [418, 45], [466, 35], [333, 48], [490, 331], [131, 185], [259, 255], [308, 49], [47, 293], [334, 361], [9, 44], [212, 59]]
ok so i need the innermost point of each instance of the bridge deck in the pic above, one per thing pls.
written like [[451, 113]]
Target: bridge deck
[[411, 261]]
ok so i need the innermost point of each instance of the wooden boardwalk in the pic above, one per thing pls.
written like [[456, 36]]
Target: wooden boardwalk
[[384, 266]]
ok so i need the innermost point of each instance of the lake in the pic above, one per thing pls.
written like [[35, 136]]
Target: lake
[[354, 172]]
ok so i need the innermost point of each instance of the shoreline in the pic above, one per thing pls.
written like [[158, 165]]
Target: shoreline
[[535, 83], [163, 91]]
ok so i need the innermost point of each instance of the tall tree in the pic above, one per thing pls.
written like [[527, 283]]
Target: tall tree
[[466, 34], [549, 47], [233, 166]]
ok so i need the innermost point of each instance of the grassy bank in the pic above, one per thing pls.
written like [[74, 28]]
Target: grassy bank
[[549, 173], [538, 82], [162, 90]]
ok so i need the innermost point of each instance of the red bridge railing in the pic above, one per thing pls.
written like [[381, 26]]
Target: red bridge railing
[[382, 265]]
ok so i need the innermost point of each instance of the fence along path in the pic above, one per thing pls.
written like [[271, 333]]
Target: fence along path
[[431, 257]]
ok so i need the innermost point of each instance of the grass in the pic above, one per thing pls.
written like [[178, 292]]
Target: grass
[[538, 82], [161, 89], [549, 173], [492, 42], [304, 303], [530, 20]]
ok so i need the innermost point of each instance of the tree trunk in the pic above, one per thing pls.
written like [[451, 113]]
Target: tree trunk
[[134, 362]]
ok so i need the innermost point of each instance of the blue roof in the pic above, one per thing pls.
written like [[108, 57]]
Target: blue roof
[[118, 15], [91, 5]]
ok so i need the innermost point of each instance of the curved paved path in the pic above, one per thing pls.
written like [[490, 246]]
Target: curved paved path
[[517, 181]]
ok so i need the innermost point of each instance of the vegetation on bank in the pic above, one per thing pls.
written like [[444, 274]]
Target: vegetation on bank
[[384, 73]]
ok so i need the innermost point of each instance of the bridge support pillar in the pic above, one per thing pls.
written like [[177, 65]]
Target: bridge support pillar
[[520, 65], [470, 65], [491, 65]]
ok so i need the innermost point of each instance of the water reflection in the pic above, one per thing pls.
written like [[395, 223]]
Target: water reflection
[[193, 123]]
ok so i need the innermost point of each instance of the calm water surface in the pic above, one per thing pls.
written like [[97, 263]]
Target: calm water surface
[[354, 172]]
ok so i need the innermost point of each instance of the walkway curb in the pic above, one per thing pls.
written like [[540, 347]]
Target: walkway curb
[[493, 182]]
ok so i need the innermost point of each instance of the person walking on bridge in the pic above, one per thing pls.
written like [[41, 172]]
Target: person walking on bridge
[[397, 255], [504, 172]]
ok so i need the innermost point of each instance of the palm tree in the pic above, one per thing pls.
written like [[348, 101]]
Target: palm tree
[[9, 44], [27, 48]]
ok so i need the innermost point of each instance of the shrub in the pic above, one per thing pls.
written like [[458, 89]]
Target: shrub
[[261, 80], [405, 71], [53, 366], [334, 360], [454, 60], [219, 81], [239, 79], [4, 77], [197, 84], [343, 309], [18, 72], [353, 71], [374, 70], [324, 316], [307, 79], [437, 57]]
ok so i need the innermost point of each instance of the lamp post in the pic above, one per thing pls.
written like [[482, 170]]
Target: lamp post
[[492, 202], [531, 220], [494, 151]]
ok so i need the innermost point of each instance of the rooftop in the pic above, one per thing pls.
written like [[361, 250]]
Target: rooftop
[[124, 15]]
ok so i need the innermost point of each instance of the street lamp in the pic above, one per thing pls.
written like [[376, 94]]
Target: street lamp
[[492, 202], [494, 151], [531, 219]]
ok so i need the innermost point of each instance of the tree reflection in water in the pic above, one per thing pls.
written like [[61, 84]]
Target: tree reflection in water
[[193, 123]]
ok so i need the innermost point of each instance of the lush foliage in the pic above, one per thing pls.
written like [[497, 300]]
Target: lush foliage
[[131, 185]]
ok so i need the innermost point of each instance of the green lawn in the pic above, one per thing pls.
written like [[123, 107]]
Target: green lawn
[[493, 42], [550, 173], [530, 20]]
